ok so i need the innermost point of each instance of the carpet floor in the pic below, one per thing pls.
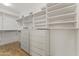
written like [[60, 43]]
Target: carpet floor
[[12, 52]]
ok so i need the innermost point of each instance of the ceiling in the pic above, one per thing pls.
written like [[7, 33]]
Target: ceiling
[[22, 8]]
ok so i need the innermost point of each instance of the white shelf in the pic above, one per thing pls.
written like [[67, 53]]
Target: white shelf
[[9, 30], [65, 10], [42, 25], [58, 29], [40, 22], [51, 4], [40, 17], [65, 22], [25, 27], [61, 20], [64, 16], [27, 22], [59, 5], [40, 13]]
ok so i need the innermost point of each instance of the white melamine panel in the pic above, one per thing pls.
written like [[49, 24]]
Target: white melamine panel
[[34, 53], [25, 40], [0, 36], [39, 39], [62, 15], [58, 6], [1, 18], [63, 42], [38, 51], [65, 10]]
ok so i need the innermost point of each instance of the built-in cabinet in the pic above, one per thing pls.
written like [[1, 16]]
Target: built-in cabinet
[[25, 25], [55, 30], [39, 42], [63, 31], [25, 40]]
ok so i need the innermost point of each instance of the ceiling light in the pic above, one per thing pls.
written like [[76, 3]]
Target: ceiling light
[[7, 4]]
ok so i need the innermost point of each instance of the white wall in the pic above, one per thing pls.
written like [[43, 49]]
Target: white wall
[[8, 37], [9, 22], [33, 7], [8, 29]]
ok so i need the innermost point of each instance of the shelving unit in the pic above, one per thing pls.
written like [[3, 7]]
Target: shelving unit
[[54, 30], [40, 19], [62, 27], [39, 42], [25, 32], [61, 14], [27, 21]]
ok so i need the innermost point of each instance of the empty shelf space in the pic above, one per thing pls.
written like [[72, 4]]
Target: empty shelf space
[[40, 22], [40, 17], [66, 10], [65, 25], [28, 17], [40, 13], [62, 28], [51, 4], [25, 27], [44, 27], [58, 6], [27, 22], [64, 16], [64, 22], [63, 9], [40, 25], [18, 20]]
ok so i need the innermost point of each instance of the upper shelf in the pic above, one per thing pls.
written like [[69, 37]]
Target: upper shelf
[[64, 16], [64, 10], [58, 29], [40, 17], [64, 22], [29, 17], [51, 4], [58, 6], [10, 30], [42, 12]]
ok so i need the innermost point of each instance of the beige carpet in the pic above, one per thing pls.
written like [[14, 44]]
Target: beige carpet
[[12, 52]]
